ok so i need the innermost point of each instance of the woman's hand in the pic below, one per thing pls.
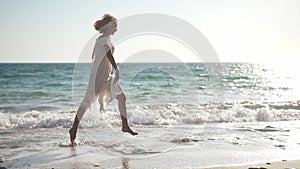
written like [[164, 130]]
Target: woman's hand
[[117, 75]]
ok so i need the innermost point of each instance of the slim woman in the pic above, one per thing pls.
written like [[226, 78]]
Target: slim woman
[[103, 84]]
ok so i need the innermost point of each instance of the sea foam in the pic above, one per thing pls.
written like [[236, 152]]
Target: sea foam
[[164, 114]]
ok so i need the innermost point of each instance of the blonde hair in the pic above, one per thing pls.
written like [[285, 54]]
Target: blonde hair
[[100, 25]]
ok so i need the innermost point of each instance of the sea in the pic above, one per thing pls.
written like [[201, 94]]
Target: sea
[[188, 115]]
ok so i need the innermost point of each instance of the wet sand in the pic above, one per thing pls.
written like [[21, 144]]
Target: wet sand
[[284, 164]]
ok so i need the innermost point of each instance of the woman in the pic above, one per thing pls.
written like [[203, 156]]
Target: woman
[[103, 84]]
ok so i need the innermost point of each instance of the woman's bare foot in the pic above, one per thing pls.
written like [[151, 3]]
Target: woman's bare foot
[[128, 130], [72, 133]]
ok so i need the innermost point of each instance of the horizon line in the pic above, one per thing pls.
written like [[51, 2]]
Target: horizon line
[[120, 62]]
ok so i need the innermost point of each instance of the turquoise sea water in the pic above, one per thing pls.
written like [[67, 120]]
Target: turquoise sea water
[[57, 88], [47, 87]]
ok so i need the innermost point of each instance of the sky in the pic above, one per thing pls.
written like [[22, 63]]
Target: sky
[[239, 30]]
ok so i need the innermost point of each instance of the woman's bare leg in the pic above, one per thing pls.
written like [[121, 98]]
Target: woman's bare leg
[[73, 130], [122, 108]]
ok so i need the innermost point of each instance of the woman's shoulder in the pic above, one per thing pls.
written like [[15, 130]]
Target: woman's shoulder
[[103, 39]]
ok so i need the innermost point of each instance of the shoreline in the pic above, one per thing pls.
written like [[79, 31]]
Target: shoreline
[[229, 146], [284, 164]]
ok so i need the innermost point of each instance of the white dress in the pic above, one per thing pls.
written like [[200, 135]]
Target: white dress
[[101, 85]]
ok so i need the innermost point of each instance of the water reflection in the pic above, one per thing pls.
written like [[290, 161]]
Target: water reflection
[[125, 163], [73, 151]]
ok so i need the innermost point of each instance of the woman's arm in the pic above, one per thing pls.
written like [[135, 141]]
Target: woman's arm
[[112, 61], [110, 57]]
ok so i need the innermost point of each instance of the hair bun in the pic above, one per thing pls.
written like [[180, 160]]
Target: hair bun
[[106, 18]]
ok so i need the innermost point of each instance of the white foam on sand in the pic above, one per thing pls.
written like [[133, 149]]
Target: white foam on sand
[[167, 146], [170, 136]]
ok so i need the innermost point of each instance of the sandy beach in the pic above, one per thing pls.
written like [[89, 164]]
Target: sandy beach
[[151, 149], [284, 164]]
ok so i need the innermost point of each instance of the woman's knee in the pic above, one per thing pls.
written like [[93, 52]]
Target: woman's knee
[[121, 97]]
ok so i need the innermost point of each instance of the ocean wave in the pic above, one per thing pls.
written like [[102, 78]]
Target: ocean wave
[[164, 114], [35, 119]]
